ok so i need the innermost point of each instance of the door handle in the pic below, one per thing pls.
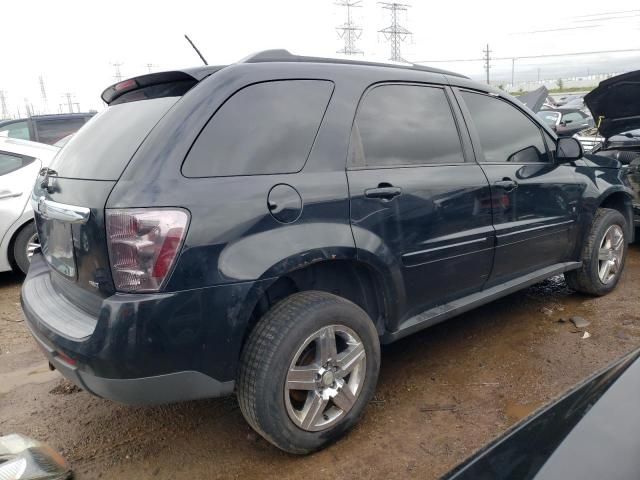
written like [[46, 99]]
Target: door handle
[[383, 192], [506, 184]]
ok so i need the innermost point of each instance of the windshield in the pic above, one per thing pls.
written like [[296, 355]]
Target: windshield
[[103, 147], [550, 118]]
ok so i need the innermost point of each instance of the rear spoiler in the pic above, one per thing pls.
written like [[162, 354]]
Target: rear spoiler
[[188, 78]]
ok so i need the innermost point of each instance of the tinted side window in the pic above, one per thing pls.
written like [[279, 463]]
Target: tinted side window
[[9, 163], [573, 117], [264, 128], [50, 131], [405, 125], [506, 134], [16, 130]]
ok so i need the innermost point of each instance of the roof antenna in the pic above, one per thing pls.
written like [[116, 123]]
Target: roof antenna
[[196, 49]]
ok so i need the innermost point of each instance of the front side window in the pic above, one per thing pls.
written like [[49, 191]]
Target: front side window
[[10, 163], [404, 125], [16, 130], [505, 133], [572, 117], [550, 118], [264, 128]]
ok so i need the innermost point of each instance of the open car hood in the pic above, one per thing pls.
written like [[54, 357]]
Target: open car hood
[[535, 99], [615, 104]]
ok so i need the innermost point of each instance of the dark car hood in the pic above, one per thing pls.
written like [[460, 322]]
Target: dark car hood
[[534, 100], [615, 103], [591, 433]]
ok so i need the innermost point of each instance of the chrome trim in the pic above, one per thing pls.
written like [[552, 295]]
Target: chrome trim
[[51, 210]]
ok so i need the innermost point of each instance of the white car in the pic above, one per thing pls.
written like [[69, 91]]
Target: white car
[[20, 162]]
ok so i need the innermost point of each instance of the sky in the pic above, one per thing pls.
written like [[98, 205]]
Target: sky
[[73, 44]]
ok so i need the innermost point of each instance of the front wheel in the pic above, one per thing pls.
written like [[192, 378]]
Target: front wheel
[[603, 255], [308, 370]]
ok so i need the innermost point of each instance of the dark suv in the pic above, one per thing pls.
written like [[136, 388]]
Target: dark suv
[[263, 227]]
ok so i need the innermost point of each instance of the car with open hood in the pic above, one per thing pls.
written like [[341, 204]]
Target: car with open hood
[[615, 106]]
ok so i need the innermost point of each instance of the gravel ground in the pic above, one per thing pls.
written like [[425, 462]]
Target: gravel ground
[[443, 393]]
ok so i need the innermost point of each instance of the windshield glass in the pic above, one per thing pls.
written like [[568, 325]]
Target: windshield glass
[[103, 147], [550, 118]]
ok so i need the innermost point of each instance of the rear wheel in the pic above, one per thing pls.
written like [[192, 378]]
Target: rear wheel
[[308, 370], [603, 255], [24, 246]]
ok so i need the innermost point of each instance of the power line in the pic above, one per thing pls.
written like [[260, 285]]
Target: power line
[[626, 50], [395, 33], [349, 31]]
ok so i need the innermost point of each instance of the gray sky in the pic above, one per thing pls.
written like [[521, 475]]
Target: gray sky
[[73, 43]]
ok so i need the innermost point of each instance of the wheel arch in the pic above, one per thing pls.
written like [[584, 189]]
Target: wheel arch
[[622, 201]]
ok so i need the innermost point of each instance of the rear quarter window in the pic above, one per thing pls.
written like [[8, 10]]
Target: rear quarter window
[[264, 128]]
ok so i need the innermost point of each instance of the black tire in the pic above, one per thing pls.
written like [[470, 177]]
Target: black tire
[[587, 279], [269, 352], [20, 258]]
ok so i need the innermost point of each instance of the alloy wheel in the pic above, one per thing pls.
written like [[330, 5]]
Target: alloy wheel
[[610, 254], [325, 378]]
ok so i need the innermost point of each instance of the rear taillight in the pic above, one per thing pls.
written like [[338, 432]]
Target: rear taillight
[[143, 245]]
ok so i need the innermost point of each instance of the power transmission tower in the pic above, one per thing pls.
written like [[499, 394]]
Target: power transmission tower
[[3, 105], [69, 97], [150, 66], [28, 107], [349, 31], [118, 75], [487, 60], [43, 95], [395, 33]]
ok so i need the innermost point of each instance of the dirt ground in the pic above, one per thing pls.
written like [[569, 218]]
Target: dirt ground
[[443, 393]]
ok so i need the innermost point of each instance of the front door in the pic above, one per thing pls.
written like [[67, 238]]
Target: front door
[[535, 201], [415, 201]]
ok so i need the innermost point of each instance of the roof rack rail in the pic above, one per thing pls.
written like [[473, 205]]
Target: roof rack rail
[[282, 55]]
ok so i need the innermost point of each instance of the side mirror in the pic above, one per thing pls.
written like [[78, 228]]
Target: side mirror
[[568, 149]]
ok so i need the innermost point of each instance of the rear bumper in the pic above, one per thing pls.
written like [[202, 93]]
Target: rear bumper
[[144, 348]]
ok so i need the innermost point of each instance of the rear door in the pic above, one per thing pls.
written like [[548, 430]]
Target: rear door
[[417, 195], [535, 201], [17, 174]]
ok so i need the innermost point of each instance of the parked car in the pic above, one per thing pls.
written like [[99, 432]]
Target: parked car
[[616, 103], [44, 128], [591, 433], [566, 121], [20, 162], [265, 226]]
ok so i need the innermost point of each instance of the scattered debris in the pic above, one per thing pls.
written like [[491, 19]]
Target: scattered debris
[[439, 408], [562, 320], [546, 311], [585, 335], [580, 322], [65, 388]]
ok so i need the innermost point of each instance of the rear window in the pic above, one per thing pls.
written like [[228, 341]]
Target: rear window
[[104, 146], [10, 163], [262, 129]]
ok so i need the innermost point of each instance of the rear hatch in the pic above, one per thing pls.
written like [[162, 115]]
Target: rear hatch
[[69, 198]]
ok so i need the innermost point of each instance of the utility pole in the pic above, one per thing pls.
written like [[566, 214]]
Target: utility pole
[[43, 95], [487, 60], [349, 31], [118, 75], [513, 72], [28, 107], [150, 66], [3, 105], [395, 33]]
